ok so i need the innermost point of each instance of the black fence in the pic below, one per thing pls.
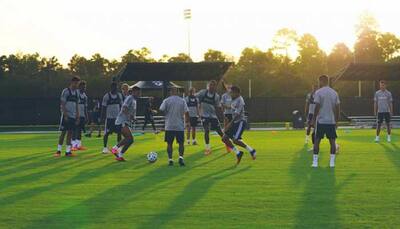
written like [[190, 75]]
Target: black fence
[[40, 111]]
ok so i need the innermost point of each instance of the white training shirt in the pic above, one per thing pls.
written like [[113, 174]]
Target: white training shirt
[[327, 98]]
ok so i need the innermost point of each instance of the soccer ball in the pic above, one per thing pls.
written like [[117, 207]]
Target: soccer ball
[[152, 157]]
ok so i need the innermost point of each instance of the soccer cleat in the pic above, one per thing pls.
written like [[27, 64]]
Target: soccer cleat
[[121, 159], [239, 157], [171, 163], [181, 162], [332, 164], [74, 149], [114, 151], [377, 139], [57, 154], [194, 143], [253, 154], [105, 150], [188, 142], [82, 148], [70, 154], [207, 152], [314, 164]]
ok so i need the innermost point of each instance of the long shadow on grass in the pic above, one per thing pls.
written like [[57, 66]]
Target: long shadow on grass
[[102, 204], [192, 193], [66, 166], [318, 203], [392, 153]]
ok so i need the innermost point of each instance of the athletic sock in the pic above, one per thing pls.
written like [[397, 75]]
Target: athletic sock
[[170, 159], [315, 157], [120, 154], [249, 148], [235, 150], [59, 147], [181, 157], [207, 146], [333, 157], [68, 150]]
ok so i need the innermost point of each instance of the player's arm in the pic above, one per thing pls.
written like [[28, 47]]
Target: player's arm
[[63, 109], [337, 113], [306, 108], [316, 112], [375, 105], [103, 108]]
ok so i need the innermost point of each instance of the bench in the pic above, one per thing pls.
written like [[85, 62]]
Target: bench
[[370, 121]]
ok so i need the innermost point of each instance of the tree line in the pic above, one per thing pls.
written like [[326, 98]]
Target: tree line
[[273, 72]]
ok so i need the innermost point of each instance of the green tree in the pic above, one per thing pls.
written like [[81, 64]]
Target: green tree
[[390, 45], [339, 58], [215, 56], [311, 61], [181, 57], [141, 55], [284, 40], [366, 48]]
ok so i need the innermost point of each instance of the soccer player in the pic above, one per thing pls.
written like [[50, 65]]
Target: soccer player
[[175, 109], [112, 103], [309, 110], [69, 115], [209, 105], [226, 101], [83, 117], [126, 116], [236, 126], [327, 110], [94, 121], [148, 115], [383, 109], [193, 105]]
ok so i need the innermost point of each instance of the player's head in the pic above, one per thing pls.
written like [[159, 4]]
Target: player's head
[[135, 91], [382, 84], [75, 82], [173, 91], [192, 91], [212, 86], [125, 88], [323, 80], [82, 86], [114, 87], [235, 91]]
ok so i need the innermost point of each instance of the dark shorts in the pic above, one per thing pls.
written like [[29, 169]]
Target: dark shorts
[[69, 124], [212, 123], [310, 117], [170, 135], [382, 116], [82, 123], [236, 130], [325, 129], [193, 121], [228, 116], [110, 126], [149, 117], [95, 118]]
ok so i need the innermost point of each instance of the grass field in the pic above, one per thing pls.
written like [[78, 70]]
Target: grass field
[[278, 190]]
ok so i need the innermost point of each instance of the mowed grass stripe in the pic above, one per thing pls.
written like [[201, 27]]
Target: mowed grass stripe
[[279, 189]]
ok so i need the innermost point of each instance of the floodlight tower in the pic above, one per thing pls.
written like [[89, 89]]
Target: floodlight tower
[[187, 15]]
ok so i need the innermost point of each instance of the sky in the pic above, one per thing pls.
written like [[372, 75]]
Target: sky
[[63, 28]]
